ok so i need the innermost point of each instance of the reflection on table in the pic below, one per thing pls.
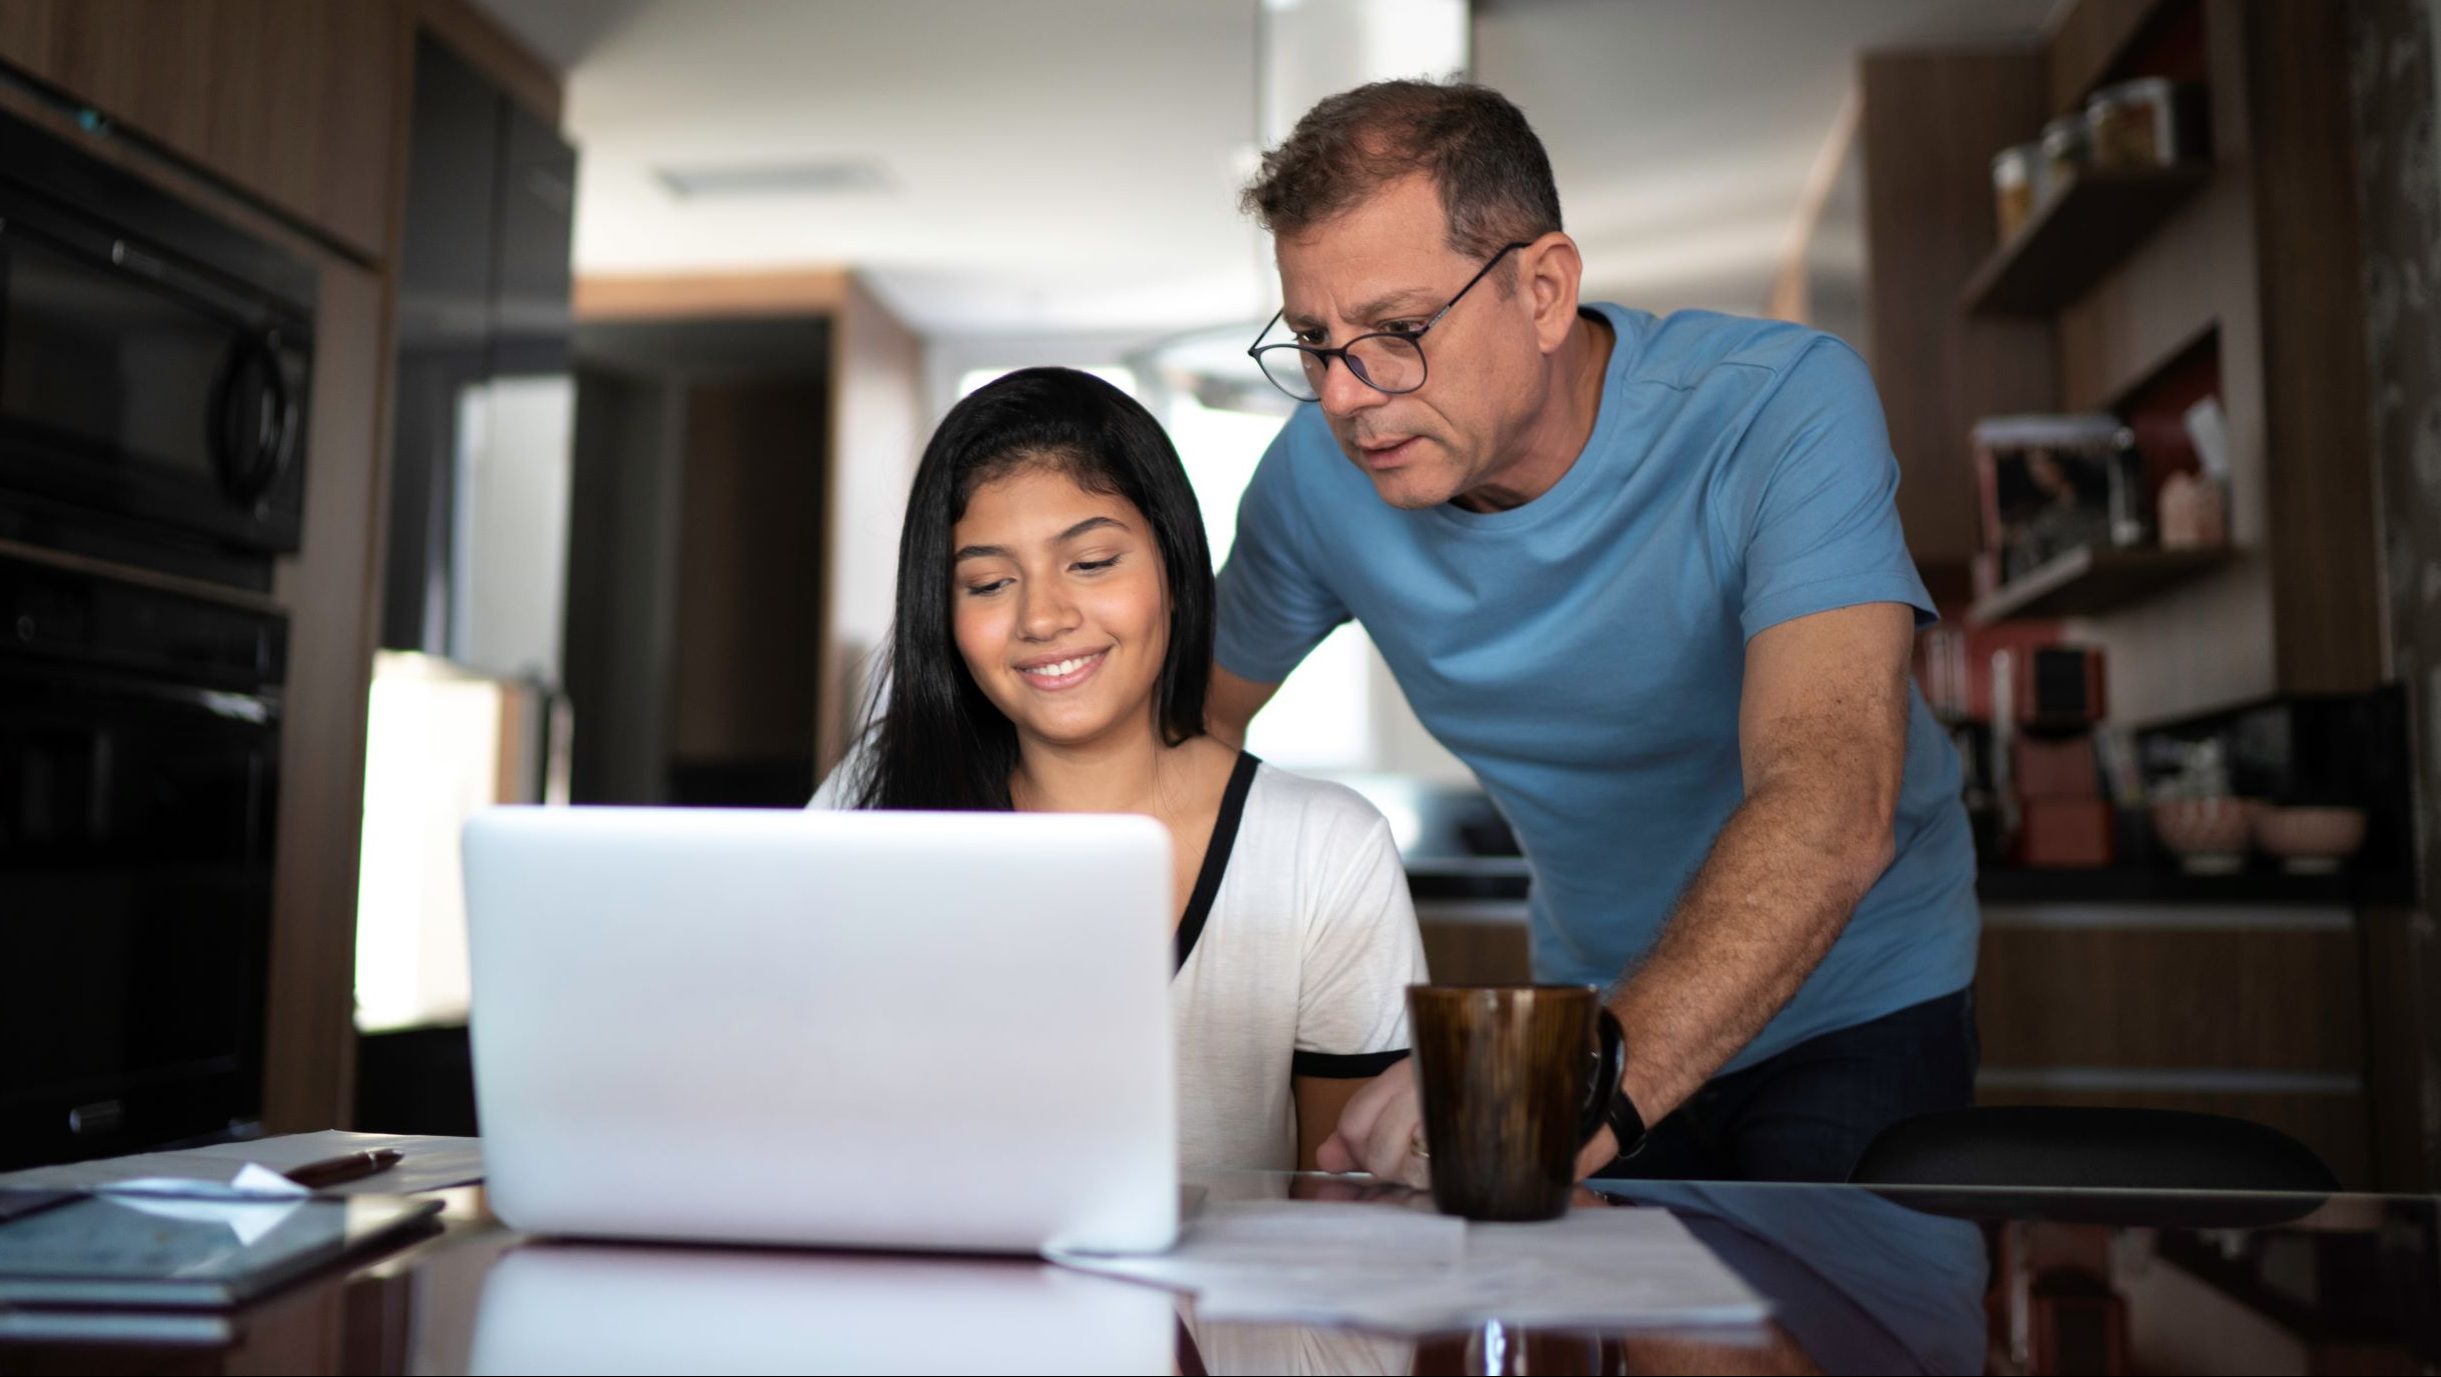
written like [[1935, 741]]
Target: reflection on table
[[1888, 1290], [556, 1307], [1859, 1281]]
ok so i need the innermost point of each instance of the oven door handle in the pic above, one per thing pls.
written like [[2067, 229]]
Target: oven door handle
[[254, 418]]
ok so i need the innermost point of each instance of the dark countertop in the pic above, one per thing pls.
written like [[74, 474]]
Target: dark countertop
[[1468, 877], [1492, 878], [1457, 848], [2165, 885]]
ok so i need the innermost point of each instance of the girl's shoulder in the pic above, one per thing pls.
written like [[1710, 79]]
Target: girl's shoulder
[[1323, 834], [1321, 861], [1306, 802]]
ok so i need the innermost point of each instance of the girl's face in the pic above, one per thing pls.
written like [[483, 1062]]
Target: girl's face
[[1059, 606]]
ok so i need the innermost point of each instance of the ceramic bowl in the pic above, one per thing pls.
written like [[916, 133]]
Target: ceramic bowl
[[2208, 835], [2310, 841]]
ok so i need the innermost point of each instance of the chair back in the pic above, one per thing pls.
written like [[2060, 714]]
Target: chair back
[[2058, 1146]]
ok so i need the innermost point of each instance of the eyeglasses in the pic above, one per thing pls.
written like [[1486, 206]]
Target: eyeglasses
[[1389, 361]]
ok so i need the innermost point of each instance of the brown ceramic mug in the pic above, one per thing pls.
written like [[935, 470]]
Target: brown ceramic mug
[[1514, 1081]]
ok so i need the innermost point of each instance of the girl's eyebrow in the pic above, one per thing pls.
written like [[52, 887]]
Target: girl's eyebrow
[[1091, 523]]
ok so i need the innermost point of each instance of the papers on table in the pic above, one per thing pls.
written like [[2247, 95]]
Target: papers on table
[[426, 1163], [256, 1202], [1402, 1270], [1319, 1235]]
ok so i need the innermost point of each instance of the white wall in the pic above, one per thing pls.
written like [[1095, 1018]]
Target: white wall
[[947, 360], [878, 433]]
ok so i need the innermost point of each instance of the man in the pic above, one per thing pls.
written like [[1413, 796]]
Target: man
[[1645, 577]]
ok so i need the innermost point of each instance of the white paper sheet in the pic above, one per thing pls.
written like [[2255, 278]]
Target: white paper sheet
[[256, 1202], [427, 1163], [1387, 1268]]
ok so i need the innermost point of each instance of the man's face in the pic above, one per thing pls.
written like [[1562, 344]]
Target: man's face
[[1386, 265]]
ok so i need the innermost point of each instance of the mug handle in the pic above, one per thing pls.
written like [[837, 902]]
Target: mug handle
[[1609, 1063]]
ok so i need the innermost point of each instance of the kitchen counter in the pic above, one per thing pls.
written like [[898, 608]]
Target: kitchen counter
[[2165, 885], [1507, 878]]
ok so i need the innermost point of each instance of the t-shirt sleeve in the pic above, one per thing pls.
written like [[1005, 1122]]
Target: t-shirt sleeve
[[1274, 607], [1822, 528], [1362, 951]]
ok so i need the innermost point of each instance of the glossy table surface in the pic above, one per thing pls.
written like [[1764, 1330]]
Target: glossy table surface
[[1859, 1281]]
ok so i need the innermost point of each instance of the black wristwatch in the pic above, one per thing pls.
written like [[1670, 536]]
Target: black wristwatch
[[1626, 1124]]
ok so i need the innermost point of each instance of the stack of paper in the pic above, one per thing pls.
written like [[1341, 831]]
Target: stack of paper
[[1383, 1267]]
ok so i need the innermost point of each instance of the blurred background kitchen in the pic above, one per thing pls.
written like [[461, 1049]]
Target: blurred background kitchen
[[410, 405]]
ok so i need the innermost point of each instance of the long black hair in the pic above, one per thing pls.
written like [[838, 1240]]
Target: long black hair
[[934, 739]]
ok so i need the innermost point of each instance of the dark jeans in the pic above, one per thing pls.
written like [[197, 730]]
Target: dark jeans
[[1806, 1114]]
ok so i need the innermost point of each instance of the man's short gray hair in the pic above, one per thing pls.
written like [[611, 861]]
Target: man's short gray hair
[[1492, 174]]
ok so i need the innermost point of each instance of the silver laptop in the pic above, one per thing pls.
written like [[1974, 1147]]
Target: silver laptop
[[892, 1030]]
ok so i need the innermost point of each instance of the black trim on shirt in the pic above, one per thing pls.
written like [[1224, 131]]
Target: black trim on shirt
[[1345, 1066], [1216, 857]]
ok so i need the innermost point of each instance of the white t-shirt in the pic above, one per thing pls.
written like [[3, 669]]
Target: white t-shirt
[[1298, 946]]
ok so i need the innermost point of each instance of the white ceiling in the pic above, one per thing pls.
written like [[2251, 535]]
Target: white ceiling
[[1055, 166], [1682, 132]]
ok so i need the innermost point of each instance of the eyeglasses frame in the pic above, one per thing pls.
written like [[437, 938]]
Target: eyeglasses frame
[[1326, 353]]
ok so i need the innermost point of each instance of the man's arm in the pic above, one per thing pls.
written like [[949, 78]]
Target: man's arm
[[1822, 739], [1231, 703]]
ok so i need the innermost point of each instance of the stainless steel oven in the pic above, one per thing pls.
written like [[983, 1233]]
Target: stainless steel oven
[[154, 366]]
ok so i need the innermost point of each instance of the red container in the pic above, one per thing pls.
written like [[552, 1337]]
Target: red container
[[2064, 834], [2055, 768]]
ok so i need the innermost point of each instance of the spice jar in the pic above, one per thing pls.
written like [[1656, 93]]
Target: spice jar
[[2017, 176], [2134, 124], [2065, 150]]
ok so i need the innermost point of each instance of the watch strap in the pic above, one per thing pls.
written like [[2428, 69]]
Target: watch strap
[[1626, 1124]]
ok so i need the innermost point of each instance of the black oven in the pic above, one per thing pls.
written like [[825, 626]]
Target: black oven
[[154, 364], [139, 767]]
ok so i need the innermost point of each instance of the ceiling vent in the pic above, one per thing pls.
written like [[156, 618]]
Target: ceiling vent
[[831, 177]]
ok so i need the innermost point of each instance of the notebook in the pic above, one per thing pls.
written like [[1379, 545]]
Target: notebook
[[167, 1251]]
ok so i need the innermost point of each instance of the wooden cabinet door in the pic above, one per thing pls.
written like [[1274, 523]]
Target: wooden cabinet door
[[295, 101]]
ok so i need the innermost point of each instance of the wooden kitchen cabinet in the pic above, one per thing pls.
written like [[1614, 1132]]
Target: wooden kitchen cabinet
[[2247, 257], [1928, 126], [286, 118], [293, 101]]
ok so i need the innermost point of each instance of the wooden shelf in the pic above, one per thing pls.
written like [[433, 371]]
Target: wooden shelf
[[2078, 235], [2084, 582]]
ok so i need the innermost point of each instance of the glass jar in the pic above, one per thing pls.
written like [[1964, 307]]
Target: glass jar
[[2066, 150], [2134, 124], [2017, 186]]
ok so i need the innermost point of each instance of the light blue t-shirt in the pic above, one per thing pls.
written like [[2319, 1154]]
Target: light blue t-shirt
[[1583, 653]]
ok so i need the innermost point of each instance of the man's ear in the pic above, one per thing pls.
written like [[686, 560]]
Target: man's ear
[[1551, 272]]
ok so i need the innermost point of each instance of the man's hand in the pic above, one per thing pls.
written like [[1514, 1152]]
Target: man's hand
[[1822, 740], [1377, 1132], [1598, 1153]]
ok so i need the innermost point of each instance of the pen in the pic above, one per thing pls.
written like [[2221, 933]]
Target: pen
[[331, 1171]]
